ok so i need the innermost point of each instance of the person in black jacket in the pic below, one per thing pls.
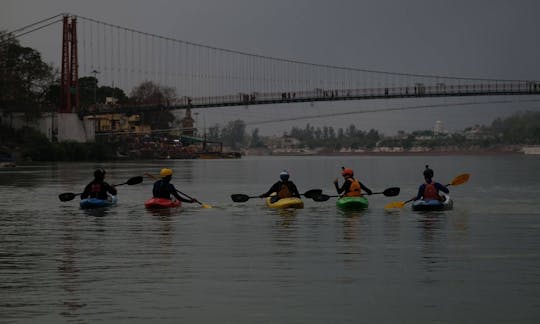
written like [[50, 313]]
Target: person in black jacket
[[283, 188], [164, 188], [98, 188]]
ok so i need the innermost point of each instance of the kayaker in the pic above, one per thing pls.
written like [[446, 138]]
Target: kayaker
[[98, 188], [429, 190], [283, 188], [351, 187], [163, 188]]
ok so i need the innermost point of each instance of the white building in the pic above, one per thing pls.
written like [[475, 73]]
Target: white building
[[438, 128]]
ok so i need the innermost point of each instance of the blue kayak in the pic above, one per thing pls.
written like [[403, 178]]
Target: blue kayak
[[90, 203], [432, 204]]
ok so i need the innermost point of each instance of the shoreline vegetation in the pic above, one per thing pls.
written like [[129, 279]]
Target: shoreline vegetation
[[517, 134]]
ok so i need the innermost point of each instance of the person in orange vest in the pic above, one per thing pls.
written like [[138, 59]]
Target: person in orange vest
[[429, 190], [351, 187], [283, 188]]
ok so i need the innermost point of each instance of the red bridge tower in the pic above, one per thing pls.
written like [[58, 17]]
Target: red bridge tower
[[69, 83]]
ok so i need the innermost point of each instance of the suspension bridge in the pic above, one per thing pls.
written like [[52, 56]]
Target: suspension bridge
[[203, 76]]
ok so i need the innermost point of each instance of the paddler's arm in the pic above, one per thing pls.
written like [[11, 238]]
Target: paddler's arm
[[442, 188], [366, 189], [274, 188], [420, 192], [86, 192], [177, 196], [294, 190], [111, 189], [344, 188]]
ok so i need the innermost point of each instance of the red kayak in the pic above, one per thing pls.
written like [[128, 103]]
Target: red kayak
[[161, 203]]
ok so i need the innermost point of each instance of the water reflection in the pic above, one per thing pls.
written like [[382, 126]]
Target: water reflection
[[433, 239], [165, 225], [350, 224], [68, 268], [287, 217], [96, 212]]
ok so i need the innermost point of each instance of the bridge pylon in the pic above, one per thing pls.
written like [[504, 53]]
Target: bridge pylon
[[69, 83]]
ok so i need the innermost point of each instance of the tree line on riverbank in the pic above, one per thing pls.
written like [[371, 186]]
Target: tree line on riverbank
[[518, 129], [522, 128], [31, 86]]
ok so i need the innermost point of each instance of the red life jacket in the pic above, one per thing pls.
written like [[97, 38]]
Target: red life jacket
[[95, 189], [431, 192]]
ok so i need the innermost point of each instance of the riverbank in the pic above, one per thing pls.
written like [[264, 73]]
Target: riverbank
[[500, 150]]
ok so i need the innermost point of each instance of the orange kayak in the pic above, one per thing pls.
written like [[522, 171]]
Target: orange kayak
[[161, 203]]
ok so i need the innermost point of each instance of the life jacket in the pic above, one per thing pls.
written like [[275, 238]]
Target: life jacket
[[431, 192], [284, 191], [96, 190], [354, 189]]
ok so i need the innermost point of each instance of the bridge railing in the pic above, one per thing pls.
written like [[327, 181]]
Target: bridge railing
[[417, 90], [414, 91]]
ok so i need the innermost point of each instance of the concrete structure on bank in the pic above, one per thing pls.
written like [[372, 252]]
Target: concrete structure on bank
[[531, 150], [56, 126]]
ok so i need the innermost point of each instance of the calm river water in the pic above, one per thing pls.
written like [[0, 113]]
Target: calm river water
[[243, 263]]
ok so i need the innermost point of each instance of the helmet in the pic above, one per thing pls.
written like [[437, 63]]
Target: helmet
[[165, 172], [99, 173], [428, 173], [347, 172], [284, 175]]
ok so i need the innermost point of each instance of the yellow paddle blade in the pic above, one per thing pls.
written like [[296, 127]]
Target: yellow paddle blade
[[205, 206], [460, 179], [395, 204]]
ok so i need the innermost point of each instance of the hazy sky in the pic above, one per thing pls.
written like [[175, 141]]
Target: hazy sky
[[480, 39]]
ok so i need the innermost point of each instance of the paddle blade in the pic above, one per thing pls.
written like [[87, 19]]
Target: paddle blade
[[135, 180], [460, 179], [395, 204], [391, 192], [239, 197], [312, 193], [203, 205], [321, 197], [67, 196]]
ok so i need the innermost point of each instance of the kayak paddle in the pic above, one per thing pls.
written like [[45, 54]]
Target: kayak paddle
[[460, 179], [180, 192], [389, 192], [67, 196], [243, 198], [198, 202], [397, 204]]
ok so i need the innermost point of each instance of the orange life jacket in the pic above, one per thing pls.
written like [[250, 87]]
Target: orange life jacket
[[354, 188], [430, 192], [284, 191]]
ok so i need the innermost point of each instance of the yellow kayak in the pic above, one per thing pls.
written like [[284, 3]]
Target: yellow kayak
[[292, 202]]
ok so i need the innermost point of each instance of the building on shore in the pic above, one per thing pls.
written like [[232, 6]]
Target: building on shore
[[531, 150]]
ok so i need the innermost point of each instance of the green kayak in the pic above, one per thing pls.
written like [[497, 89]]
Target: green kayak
[[352, 203]]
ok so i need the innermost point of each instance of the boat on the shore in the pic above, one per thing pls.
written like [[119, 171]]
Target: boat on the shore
[[218, 155]]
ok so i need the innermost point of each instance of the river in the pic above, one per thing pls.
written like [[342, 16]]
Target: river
[[244, 263]]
